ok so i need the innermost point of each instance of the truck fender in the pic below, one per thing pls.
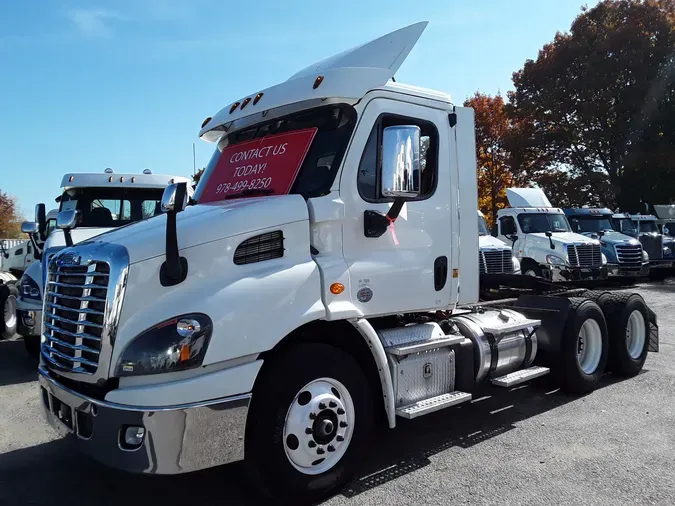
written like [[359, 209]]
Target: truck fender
[[552, 311], [368, 333]]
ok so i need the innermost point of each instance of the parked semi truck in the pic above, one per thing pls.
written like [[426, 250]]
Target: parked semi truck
[[544, 242], [658, 248], [666, 219], [104, 201], [310, 290], [494, 256], [15, 256], [625, 256]]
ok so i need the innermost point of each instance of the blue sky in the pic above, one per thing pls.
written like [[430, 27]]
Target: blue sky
[[127, 83]]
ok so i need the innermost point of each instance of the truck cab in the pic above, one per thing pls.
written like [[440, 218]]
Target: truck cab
[[659, 248], [16, 258], [625, 256], [544, 242], [103, 201], [666, 219], [494, 255], [324, 278]]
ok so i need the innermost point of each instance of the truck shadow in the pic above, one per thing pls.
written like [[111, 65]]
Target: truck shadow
[[53, 474], [16, 366]]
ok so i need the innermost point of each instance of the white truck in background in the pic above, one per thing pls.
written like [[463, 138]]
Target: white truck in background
[[15, 256], [104, 201], [543, 240], [494, 255], [310, 290]]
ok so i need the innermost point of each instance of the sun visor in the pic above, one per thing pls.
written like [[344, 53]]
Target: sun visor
[[527, 197]]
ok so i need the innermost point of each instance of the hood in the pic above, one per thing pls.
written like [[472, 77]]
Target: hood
[[614, 238], [560, 241], [204, 223], [489, 242], [57, 239], [527, 197]]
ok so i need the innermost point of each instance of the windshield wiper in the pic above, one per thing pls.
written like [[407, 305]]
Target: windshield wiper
[[246, 193]]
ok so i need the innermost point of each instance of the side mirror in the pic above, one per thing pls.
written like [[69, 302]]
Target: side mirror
[[169, 199], [401, 171], [29, 227], [41, 219], [66, 220]]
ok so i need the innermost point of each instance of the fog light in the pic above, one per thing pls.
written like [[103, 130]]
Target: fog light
[[29, 319], [133, 436]]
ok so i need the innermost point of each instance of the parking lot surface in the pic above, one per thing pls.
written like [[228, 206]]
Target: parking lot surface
[[532, 445]]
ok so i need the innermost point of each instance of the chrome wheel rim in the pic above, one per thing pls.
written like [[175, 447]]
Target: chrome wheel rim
[[319, 426], [635, 334], [589, 346], [10, 311]]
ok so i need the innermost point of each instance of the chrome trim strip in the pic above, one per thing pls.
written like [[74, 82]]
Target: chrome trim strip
[[75, 310], [79, 335], [79, 347], [61, 368], [87, 298], [84, 323], [87, 286], [74, 360], [105, 404]]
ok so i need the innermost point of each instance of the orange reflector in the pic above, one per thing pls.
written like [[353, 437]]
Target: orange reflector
[[234, 106], [184, 353], [257, 98], [337, 288], [245, 102], [455, 273], [318, 82]]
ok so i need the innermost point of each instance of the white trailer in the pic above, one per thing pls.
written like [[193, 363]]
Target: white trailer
[[311, 290]]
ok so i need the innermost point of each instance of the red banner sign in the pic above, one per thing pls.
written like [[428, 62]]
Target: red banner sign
[[269, 164]]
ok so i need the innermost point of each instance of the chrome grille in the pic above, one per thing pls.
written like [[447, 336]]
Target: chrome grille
[[629, 257], [584, 255], [495, 261], [74, 315]]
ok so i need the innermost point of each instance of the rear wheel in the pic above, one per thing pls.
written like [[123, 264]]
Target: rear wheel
[[310, 420], [584, 347], [532, 269]]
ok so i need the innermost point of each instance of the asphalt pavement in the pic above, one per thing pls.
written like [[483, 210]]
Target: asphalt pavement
[[531, 445]]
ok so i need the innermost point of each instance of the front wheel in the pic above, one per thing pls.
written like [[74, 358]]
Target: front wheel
[[310, 419], [8, 295], [532, 270]]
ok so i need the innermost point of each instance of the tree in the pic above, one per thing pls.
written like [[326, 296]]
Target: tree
[[196, 177], [493, 160], [10, 218], [594, 114]]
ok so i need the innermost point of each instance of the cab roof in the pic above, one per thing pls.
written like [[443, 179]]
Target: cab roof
[[665, 211], [114, 180], [346, 76], [643, 217], [588, 211]]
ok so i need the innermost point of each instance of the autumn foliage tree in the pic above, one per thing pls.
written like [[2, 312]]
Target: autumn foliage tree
[[594, 115], [10, 219], [493, 160]]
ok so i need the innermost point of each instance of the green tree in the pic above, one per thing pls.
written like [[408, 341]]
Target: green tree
[[594, 115]]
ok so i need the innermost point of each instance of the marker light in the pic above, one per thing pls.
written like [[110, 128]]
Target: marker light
[[203, 124], [108, 171], [317, 82], [121, 180], [148, 171], [110, 179], [234, 106], [245, 102], [70, 179], [337, 288], [257, 98], [133, 179]]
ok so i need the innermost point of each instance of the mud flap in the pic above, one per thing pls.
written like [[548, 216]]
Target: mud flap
[[653, 331]]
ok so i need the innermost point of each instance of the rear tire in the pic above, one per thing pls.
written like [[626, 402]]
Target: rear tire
[[532, 269], [8, 296], [310, 421], [583, 349]]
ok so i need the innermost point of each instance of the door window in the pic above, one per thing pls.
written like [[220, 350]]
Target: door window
[[507, 225], [368, 174]]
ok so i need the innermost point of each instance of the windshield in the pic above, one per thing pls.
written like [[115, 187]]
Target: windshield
[[112, 207], [482, 226], [669, 229], [625, 225], [533, 223], [583, 224], [648, 227], [333, 127]]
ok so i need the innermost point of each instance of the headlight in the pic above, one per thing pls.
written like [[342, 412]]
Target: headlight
[[604, 258], [173, 345], [516, 265], [28, 288], [554, 260], [645, 256], [666, 251]]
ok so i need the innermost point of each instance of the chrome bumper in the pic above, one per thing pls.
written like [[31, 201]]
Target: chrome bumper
[[660, 264], [178, 439], [563, 273]]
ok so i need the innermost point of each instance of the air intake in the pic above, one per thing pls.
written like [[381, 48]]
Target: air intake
[[260, 248]]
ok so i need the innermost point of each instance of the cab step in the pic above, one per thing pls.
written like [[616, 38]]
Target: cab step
[[426, 406], [518, 377], [418, 347]]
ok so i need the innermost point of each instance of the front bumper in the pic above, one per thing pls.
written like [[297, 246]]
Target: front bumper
[[660, 264], [560, 273], [615, 270], [178, 439]]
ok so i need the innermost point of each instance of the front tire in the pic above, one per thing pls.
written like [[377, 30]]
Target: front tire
[[310, 420], [8, 296], [584, 347], [533, 270]]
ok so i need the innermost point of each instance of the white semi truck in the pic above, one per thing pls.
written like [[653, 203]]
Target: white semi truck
[[323, 280], [104, 201], [543, 240], [495, 256]]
